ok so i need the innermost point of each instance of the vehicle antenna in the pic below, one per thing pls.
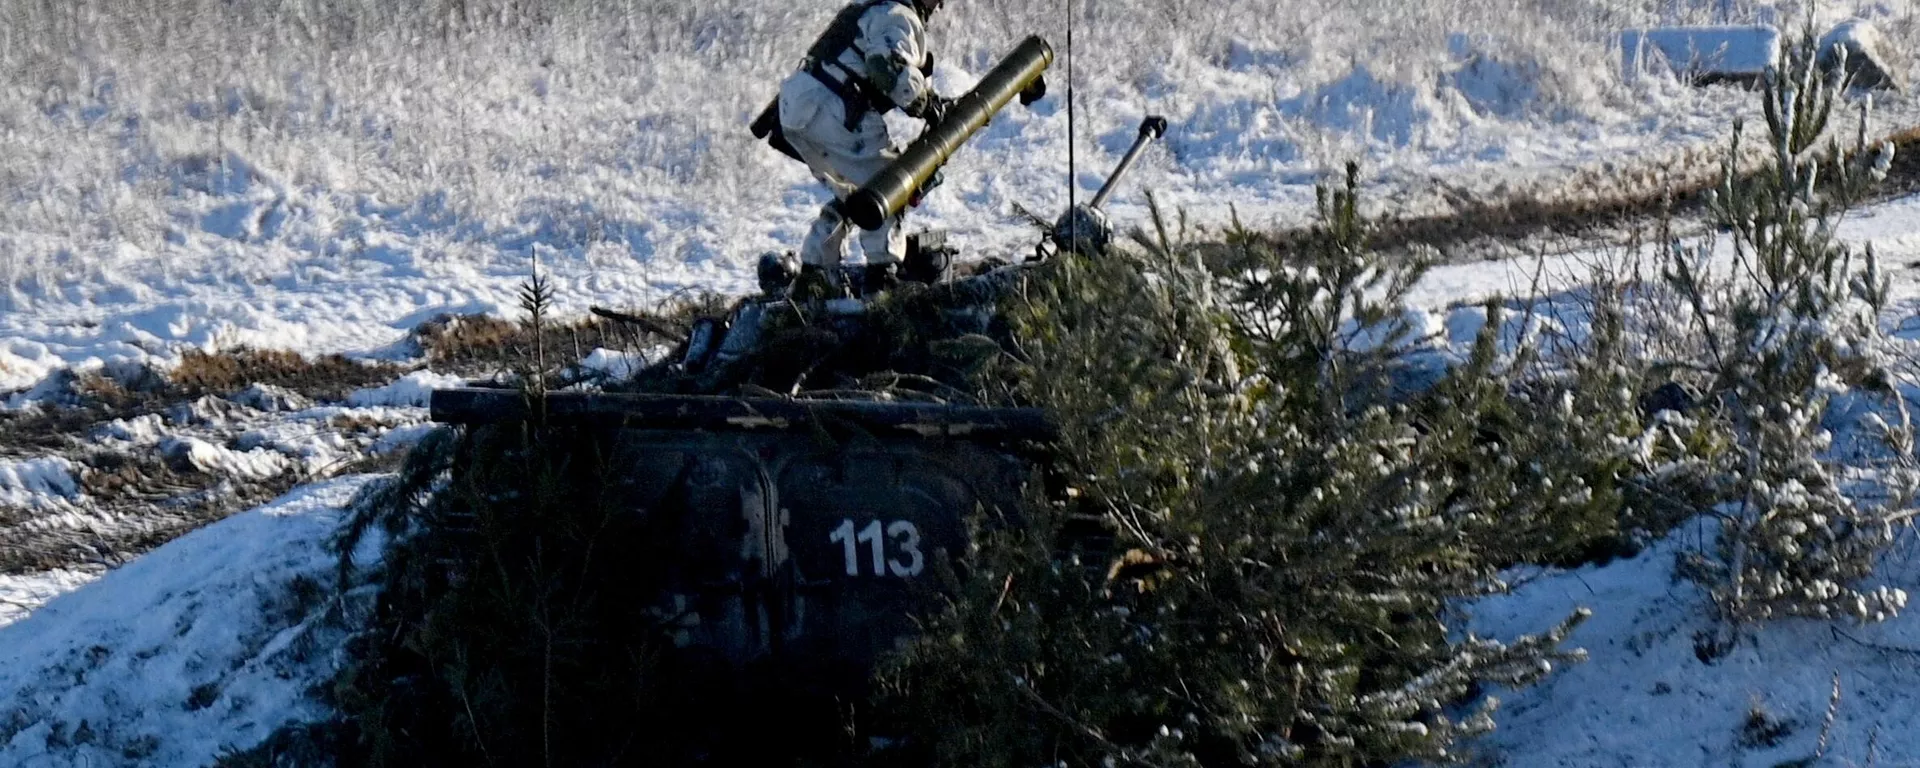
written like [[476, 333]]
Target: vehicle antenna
[[1072, 187]]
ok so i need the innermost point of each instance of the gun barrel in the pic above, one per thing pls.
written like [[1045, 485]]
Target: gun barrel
[[1151, 128], [888, 192]]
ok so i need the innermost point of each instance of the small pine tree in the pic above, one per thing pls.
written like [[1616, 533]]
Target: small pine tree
[[536, 299], [1795, 320], [1549, 446]]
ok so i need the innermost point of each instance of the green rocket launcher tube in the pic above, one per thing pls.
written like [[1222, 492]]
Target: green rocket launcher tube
[[888, 192]]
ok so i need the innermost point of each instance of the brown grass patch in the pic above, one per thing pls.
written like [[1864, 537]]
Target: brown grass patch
[[485, 344], [327, 377]]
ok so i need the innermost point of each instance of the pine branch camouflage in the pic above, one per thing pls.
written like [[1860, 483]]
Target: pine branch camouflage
[[1285, 525]]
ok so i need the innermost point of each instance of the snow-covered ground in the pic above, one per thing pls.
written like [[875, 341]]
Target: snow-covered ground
[[340, 172], [343, 176], [1644, 699], [75, 505], [210, 642]]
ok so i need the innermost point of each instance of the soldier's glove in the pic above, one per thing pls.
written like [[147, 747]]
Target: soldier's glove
[[933, 108], [1034, 92]]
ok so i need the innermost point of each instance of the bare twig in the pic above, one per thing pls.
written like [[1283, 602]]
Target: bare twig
[[1005, 589], [646, 323], [1882, 647], [1826, 724]]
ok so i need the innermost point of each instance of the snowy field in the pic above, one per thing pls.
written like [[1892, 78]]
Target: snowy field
[[323, 177], [1645, 700], [193, 649]]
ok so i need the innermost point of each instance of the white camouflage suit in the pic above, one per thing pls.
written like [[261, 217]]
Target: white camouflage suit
[[814, 121]]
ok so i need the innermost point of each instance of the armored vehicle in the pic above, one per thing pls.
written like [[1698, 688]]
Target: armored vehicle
[[810, 509]]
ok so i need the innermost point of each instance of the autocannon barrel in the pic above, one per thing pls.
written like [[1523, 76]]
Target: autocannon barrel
[[888, 192], [1151, 128]]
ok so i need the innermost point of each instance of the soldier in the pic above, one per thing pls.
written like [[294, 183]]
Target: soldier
[[872, 59]]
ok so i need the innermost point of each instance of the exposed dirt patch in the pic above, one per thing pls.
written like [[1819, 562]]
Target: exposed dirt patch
[[1632, 201], [81, 403], [47, 429], [131, 438]]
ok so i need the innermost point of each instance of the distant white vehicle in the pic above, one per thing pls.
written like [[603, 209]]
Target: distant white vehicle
[[1702, 54]]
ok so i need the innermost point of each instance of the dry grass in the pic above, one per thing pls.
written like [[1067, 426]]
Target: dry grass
[[484, 344], [138, 502], [42, 430], [327, 377]]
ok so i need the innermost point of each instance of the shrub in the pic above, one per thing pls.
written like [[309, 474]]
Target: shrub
[[1282, 532]]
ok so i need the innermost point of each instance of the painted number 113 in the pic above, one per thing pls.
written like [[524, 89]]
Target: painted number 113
[[906, 539]]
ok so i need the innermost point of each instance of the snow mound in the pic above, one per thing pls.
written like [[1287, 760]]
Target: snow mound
[[1859, 48], [209, 411], [402, 438], [254, 464], [146, 429], [24, 363], [208, 642], [1645, 698], [271, 399], [613, 363], [37, 483], [410, 391]]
